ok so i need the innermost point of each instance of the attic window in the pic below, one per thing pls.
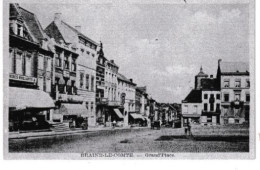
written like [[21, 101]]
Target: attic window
[[20, 30]]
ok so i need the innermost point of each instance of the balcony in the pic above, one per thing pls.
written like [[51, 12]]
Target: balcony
[[23, 78]]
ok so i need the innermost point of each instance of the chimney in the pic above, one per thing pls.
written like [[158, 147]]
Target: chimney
[[131, 80], [78, 28], [57, 17], [112, 61], [219, 60]]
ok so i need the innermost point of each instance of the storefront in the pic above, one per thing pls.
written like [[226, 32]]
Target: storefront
[[137, 119], [27, 108], [191, 118], [72, 114]]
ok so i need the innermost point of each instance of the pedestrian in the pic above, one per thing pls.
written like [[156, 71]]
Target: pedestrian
[[189, 128], [114, 124]]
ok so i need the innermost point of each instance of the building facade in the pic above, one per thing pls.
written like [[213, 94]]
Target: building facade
[[81, 69], [126, 93], [234, 81], [30, 70]]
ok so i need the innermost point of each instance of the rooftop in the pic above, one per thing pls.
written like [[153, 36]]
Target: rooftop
[[193, 97], [234, 67]]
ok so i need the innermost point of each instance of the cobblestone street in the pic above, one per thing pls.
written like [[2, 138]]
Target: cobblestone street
[[139, 140]]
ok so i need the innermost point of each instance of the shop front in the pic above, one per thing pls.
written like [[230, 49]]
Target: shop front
[[190, 118], [136, 119], [28, 108]]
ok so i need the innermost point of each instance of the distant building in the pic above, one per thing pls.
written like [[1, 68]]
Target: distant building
[[234, 82], [126, 94]]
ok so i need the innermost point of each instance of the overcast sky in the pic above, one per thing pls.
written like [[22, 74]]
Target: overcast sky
[[160, 46]]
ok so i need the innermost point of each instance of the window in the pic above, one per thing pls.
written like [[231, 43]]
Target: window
[[48, 85], [40, 83], [40, 62], [11, 61], [20, 30], [88, 52], [211, 107], [238, 83], [87, 82], [237, 96], [218, 107], [87, 105], [185, 109], [205, 96], [73, 65], [18, 63], [92, 107], [28, 65], [226, 83], [58, 60], [248, 97], [195, 107], [66, 62], [81, 80], [92, 83], [226, 97], [205, 107], [218, 96], [73, 90], [247, 83]]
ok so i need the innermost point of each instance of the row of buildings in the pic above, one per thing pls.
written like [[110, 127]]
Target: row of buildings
[[220, 100], [59, 74]]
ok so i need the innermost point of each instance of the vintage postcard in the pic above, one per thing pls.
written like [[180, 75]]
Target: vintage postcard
[[129, 79]]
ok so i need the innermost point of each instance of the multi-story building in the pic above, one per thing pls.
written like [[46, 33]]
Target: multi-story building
[[101, 101], [126, 93], [86, 62], [30, 69], [234, 82]]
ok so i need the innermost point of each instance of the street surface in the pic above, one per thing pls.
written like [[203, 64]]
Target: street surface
[[139, 140]]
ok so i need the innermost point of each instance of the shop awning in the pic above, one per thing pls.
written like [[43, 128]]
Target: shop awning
[[118, 113], [73, 109], [23, 98], [191, 115], [137, 116]]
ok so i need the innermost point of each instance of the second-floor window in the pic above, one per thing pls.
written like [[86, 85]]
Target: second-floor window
[[226, 97], [218, 96], [247, 97], [48, 64], [195, 107], [226, 83], [87, 82], [81, 79], [66, 63], [48, 85], [185, 109], [247, 83], [73, 64], [205, 96], [92, 83], [237, 97], [58, 60], [40, 62], [238, 83]]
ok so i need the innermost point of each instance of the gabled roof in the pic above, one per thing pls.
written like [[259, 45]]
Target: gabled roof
[[193, 97], [30, 22], [141, 89], [63, 31], [234, 67], [123, 78]]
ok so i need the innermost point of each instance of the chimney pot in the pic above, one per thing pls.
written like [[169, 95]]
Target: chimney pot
[[57, 17], [131, 80]]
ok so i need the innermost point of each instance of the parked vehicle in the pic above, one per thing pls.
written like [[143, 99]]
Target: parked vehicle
[[156, 124]]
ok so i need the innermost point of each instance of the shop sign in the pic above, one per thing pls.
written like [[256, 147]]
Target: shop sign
[[22, 78]]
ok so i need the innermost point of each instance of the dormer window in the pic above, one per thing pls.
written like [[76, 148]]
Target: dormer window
[[20, 30]]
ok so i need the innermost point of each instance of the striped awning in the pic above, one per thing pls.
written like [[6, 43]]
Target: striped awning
[[118, 113], [23, 98], [73, 109], [137, 116]]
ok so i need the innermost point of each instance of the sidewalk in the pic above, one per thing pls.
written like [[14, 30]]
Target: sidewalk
[[17, 135]]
